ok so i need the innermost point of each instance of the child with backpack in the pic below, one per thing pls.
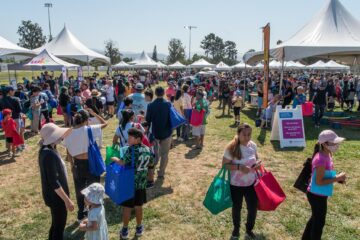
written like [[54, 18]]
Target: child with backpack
[[143, 159], [328, 143], [13, 139]]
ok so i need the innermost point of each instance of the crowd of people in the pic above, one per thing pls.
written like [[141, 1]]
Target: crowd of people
[[143, 111]]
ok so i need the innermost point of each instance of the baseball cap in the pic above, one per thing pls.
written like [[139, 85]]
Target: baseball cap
[[329, 136], [139, 86]]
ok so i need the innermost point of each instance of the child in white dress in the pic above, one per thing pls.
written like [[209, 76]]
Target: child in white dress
[[95, 224]]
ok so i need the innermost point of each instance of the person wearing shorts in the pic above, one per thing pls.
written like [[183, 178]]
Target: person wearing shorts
[[143, 160], [199, 131]]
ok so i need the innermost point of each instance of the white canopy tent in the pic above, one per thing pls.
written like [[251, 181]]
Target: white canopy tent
[[221, 66], [177, 65], [66, 45], [241, 65], [46, 60], [274, 64], [121, 65], [333, 33], [319, 65], [259, 66], [161, 65], [144, 61], [332, 65], [9, 48], [201, 63]]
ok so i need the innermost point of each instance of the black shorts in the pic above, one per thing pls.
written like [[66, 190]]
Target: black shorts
[[110, 103], [9, 140], [237, 111], [138, 200]]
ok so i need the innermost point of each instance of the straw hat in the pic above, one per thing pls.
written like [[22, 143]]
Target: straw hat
[[50, 133], [95, 93]]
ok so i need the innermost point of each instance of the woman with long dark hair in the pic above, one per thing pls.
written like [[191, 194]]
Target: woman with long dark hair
[[242, 159]]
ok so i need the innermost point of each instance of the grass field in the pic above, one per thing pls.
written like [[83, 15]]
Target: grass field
[[174, 209]]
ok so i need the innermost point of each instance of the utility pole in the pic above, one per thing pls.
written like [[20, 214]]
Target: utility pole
[[190, 28], [48, 6]]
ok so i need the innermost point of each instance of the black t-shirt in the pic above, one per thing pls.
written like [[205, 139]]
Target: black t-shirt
[[288, 99], [320, 97], [52, 84], [121, 87], [95, 104], [12, 103], [53, 175], [64, 99]]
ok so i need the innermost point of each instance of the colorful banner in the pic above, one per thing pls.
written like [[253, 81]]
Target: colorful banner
[[266, 32]]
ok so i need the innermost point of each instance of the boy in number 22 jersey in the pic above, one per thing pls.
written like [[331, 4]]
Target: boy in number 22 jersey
[[143, 159]]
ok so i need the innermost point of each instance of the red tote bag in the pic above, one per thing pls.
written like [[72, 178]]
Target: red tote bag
[[268, 190], [197, 118], [59, 110]]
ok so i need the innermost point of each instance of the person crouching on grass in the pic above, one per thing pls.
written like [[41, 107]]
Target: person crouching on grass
[[13, 139], [199, 131], [143, 160], [241, 158]]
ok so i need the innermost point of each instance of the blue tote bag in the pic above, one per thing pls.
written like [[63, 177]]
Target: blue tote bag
[[324, 190], [120, 181], [96, 162], [176, 120]]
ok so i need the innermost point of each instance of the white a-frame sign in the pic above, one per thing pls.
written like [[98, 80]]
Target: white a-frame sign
[[288, 127]]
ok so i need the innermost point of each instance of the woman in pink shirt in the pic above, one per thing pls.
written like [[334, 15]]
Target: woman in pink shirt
[[170, 91], [327, 145]]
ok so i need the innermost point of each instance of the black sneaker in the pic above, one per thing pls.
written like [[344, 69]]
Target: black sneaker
[[250, 234], [124, 233], [235, 235], [149, 184]]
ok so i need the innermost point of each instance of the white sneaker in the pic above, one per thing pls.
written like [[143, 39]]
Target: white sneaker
[[180, 139]]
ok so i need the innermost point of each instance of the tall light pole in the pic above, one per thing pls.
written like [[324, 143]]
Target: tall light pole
[[190, 27], [48, 6]]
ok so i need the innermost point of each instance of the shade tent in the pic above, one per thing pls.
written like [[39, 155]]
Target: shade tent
[[275, 64], [319, 65], [121, 65], [9, 48], [177, 65], [333, 33], [332, 65], [241, 65], [259, 66], [46, 60], [161, 65], [201, 63], [144, 61], [221, 66], [66, 45]]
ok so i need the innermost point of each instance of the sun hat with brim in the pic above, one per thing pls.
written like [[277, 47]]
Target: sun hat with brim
[[94, 193], [6, 111], [329, 136], [95, 93], [50, 133]]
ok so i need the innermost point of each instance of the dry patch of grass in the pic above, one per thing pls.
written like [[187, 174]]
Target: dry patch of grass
[[175, 210]]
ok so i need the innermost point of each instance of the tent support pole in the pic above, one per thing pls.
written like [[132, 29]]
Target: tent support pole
[[88, 66], [282, 75]]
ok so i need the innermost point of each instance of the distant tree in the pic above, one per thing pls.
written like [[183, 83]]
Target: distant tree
[[31, 35], [218, 49], [154, 54], [208, 44], [230, 52], [176, 51], [112, 51], [127, 59]]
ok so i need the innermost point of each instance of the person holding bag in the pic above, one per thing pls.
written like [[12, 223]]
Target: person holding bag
[[77, 144], [55, 189], [322, 164], [242, 159]]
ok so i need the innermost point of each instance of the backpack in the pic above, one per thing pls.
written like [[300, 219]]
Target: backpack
[[303, 180]]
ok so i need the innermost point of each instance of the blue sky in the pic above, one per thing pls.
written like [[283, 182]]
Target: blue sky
[[138, 25]]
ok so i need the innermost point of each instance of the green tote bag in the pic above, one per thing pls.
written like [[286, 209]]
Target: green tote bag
[[218, 196]]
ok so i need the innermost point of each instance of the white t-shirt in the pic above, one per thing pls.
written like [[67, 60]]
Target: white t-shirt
[[77, 142], [110, 94], [187, 101], [122, 134], [248, 154]]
